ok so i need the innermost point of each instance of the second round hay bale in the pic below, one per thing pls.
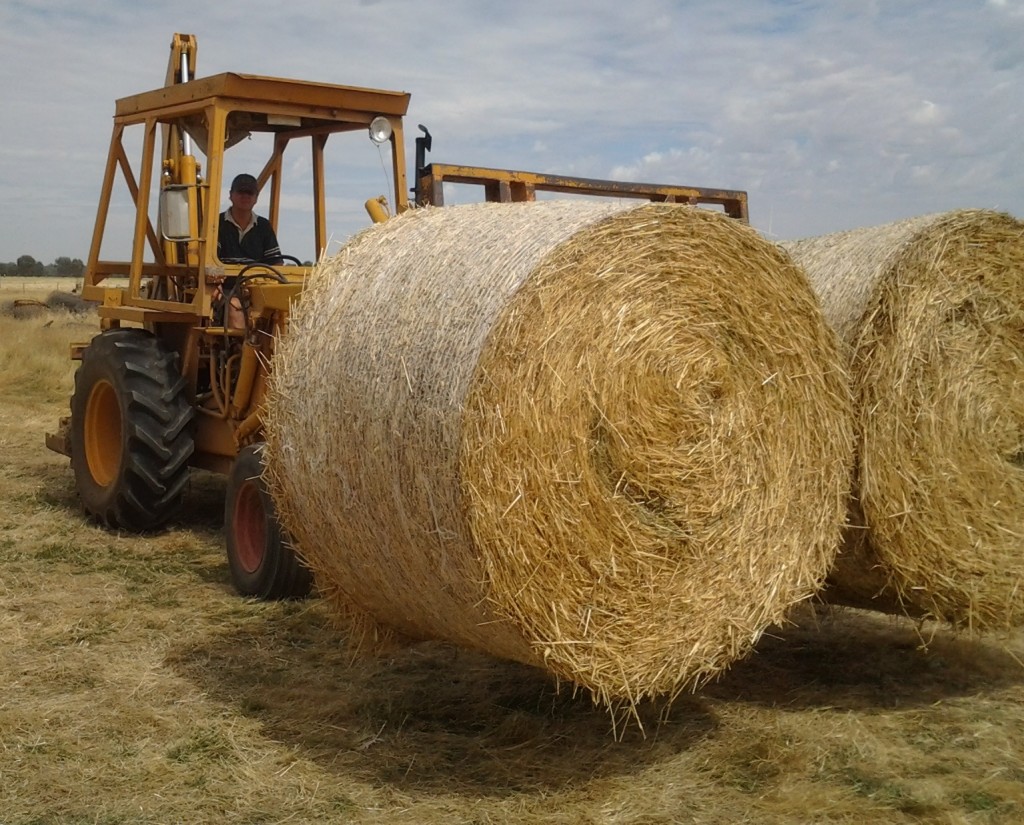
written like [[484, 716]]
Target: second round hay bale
[[932, 312], [612, 443]]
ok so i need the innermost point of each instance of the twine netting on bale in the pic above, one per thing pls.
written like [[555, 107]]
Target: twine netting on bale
[[932, 312], [614, 443]]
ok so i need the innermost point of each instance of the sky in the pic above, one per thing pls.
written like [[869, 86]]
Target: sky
[[830, 115]]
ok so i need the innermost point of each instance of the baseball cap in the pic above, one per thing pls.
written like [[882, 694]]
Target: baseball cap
[[244, 183]]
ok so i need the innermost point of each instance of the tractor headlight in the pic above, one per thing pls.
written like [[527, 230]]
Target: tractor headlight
[[380, 129]]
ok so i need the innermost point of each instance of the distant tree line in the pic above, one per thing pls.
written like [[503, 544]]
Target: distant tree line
[[28, 267]]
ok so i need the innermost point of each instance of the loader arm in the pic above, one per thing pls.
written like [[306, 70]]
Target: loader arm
[[509, 186]]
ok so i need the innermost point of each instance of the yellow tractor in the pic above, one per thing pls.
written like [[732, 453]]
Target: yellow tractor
[[178, 372]]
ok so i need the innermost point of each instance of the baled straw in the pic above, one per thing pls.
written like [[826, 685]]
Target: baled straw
[[613, 443], [932, 312]]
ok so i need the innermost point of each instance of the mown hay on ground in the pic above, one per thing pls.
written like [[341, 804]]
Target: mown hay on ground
[[614, 443], [932, 312]]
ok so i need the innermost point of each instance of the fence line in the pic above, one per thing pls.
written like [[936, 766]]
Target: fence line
[[15, 283]]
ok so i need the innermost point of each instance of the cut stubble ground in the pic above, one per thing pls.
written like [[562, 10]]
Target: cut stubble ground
[[136, 687]]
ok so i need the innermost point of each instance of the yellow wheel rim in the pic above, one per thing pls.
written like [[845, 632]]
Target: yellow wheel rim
[[103, 433]]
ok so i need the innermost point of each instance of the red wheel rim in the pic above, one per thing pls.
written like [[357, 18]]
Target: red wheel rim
[[249, 527]]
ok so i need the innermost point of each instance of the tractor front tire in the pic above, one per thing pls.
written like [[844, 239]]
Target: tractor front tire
[[131, 431], [260, 556]]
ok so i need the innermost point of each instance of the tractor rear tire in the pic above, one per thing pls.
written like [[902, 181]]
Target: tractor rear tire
[[131, 431], [260, 556]]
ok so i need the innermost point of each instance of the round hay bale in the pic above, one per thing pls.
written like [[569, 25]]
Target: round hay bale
[[932, 313], [24, 308], [70, 302], [614, 443]]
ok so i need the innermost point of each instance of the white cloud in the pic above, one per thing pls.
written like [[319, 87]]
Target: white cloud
[[926, 114], [830, 114]]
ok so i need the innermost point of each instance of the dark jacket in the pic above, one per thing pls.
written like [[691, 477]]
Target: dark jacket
[[258, 244]]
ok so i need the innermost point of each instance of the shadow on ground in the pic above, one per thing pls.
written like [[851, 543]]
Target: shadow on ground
[[431, 717], [855, 660]]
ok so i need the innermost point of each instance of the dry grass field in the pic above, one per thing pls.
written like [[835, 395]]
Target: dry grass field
[[135, 687]]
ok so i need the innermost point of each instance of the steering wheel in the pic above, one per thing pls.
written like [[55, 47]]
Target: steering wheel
[[268, 268]]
